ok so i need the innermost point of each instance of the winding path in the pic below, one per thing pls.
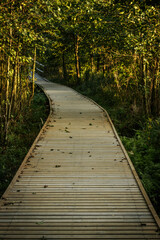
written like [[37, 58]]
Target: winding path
[[77, 181]]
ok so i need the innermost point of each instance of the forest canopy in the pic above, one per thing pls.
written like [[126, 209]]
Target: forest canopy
[[119, 39]]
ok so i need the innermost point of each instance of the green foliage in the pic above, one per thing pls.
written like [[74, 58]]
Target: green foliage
[[22, 34], [20, 137], [144, 150]]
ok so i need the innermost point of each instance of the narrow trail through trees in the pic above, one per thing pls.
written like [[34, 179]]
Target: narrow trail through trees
[[77, 181]]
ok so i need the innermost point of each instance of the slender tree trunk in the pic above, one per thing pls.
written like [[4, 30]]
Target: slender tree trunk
[[117, 80], [134, 67], [33, 74], [92, 63], [15, 85], [64, 67], [7, 100], [104, 67], [19, 86], [77, 58], [143, 83], [1, 96], [145, 71], [7, 92], [154, 89], [98, 63], [12, 106], [33, 71]]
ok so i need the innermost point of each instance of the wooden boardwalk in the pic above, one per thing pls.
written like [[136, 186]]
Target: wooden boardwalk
[[77, 181]]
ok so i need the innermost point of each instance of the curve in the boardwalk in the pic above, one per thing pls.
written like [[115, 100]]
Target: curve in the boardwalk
[[77, 181]]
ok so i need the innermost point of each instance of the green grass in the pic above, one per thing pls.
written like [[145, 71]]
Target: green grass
[[21, 135]]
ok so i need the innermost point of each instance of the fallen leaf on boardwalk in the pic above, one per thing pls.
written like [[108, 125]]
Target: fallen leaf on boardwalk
[[45, 186], [57, 166], [143, 224], [9, 203], [67, 131], [43, 238], [40, 223], [5, 199]]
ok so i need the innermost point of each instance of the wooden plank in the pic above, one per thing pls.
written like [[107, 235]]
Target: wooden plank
[[75, 237]]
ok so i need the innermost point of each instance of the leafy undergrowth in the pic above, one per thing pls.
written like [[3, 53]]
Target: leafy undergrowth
[[22, 134], [144, 151]]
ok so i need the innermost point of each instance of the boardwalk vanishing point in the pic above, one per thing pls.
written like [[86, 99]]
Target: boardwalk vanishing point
[[77, 181]]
